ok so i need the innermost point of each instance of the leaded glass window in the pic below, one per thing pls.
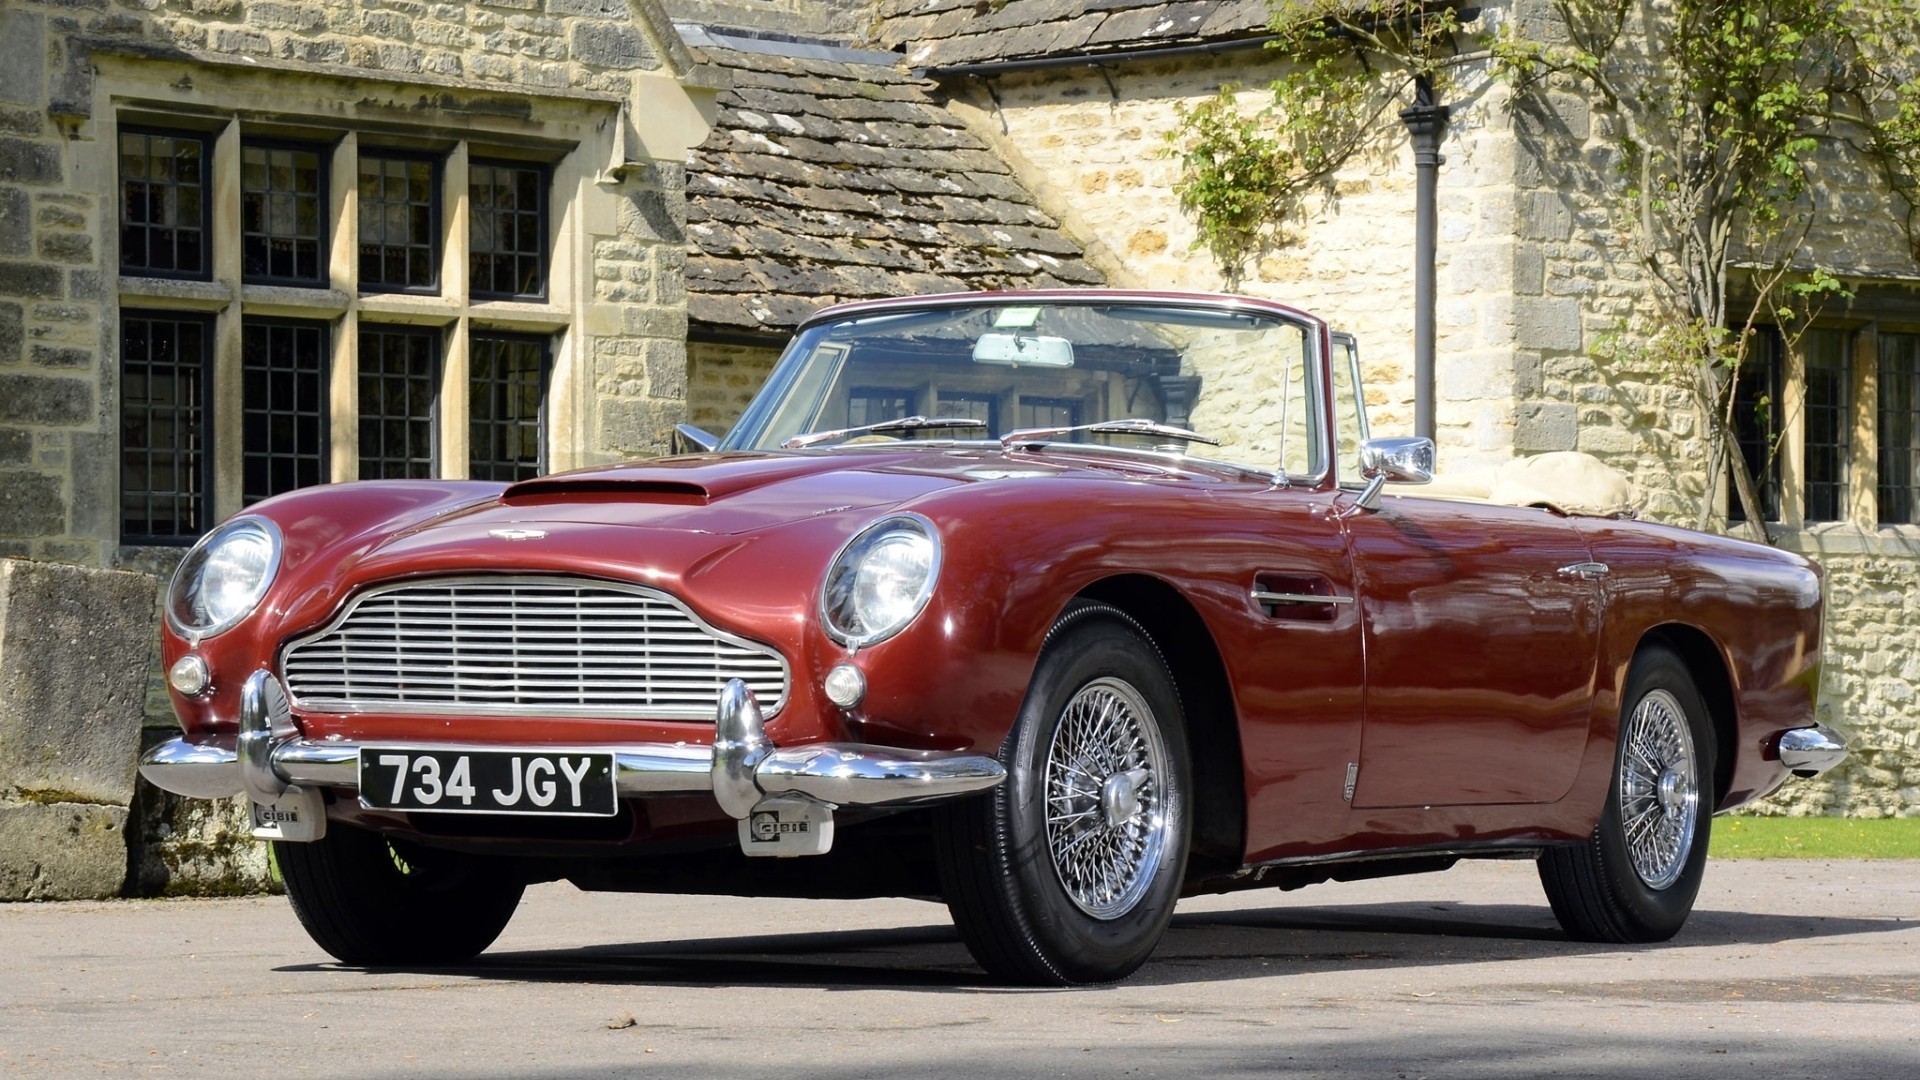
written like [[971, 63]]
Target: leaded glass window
[[399, 385], [164, 457], [506, 407], [283, 215], [164, 204], [284, 413], [399, 223], [1899, 429], [1829, 422], [508, 215]]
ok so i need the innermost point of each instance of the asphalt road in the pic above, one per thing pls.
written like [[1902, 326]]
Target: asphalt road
[[1787, 969]]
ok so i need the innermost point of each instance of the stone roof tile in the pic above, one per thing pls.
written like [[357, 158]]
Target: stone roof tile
[[938, 33], [828, 180]]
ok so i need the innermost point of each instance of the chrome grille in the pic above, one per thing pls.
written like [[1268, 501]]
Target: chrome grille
[[525, 647]]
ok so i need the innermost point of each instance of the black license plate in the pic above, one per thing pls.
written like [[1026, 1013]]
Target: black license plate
[[487, 781]]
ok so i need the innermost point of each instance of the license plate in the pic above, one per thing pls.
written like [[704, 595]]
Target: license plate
[[487, 781]]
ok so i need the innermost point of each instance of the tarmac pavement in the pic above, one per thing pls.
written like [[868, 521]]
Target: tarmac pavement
[[1787, 969]]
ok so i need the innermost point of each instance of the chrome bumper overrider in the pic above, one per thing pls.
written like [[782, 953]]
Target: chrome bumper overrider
[[1810, 751], [740, 769]]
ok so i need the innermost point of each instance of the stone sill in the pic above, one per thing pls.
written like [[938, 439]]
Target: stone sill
[[294, 301], [1847, 538], [174, 294], [515, 315]]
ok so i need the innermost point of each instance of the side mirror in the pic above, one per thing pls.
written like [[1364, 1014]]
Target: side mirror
[[688, 439], [1399, 461]]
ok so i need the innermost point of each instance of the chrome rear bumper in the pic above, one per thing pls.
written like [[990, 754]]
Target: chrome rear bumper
[[1810, 751], [741, 768]]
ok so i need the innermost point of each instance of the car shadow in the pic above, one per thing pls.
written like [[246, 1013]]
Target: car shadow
[[1199, 946]]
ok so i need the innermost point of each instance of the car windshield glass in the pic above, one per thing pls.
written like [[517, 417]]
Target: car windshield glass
[[1241, 378]]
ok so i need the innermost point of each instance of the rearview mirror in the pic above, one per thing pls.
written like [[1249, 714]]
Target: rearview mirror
[[1011, 349]]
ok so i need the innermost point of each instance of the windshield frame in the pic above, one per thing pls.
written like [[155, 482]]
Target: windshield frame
[[1315, 334]]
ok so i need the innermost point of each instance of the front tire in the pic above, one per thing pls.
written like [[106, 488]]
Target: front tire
[[1069, 871], [1636, 877], [372, 902]]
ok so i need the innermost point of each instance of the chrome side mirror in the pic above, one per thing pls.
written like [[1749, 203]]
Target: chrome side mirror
[[1399, 461], [688, 439]]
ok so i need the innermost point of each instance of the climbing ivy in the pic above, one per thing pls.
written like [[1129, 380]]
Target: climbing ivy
[[1246, 174], [1719, 117]]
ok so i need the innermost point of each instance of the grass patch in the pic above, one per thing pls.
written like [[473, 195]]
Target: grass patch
[[1815, 838]]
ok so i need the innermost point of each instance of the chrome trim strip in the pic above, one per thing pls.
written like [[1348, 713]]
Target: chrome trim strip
[[1810, 751], [1261, 596], [690, 694], [841, 774]]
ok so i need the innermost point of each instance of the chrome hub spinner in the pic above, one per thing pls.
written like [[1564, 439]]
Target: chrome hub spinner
[[1107, 830]]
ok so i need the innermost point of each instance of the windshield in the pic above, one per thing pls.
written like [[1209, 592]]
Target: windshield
[[1243, 380]]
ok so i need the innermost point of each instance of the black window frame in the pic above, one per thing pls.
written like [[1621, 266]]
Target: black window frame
[[1826, 481], [206, 430], [438, 340], [1887, 491], [1764, 370], [205, 139], [249, 406], [323, 169], [1075, 406], [436, 164], [970, 397], [544, 256], [544, 342], [866, 395]]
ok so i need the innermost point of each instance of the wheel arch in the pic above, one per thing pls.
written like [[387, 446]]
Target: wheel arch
[[1206, 698], [1707, 666]]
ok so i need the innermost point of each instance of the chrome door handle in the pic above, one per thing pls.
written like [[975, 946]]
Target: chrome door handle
[[1263, 597], [1585, 571]]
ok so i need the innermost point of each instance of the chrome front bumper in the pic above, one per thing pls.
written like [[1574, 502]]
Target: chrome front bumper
[[1810, 751], [739, 770]]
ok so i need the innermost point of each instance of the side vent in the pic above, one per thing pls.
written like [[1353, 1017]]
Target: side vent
[[1297, 597]]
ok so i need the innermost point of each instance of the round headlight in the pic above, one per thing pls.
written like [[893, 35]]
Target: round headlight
[[881, 580], [224, 577]]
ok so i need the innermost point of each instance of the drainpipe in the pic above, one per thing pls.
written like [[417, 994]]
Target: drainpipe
[[1427, 122]]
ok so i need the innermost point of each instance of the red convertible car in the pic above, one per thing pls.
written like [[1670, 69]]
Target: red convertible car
[[1055, 606]]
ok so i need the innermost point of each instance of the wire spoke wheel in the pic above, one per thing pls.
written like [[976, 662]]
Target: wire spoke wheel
[[1637, 875], [1105, 829], [1659, 789], [1069, 871]]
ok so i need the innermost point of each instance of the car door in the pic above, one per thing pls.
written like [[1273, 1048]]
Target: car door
[[1480, 625]]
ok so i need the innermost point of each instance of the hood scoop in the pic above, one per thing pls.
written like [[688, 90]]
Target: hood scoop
[[688, 481], [550, 489]]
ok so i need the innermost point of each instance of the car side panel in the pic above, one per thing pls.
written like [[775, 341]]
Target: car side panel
[[1759, 606]]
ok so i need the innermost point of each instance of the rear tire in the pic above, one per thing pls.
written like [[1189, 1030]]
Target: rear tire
[[1636, 877], [1068, 872], [372, 902]]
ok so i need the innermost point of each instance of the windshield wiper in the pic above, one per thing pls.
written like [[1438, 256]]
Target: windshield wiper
[[884, 427], [1134, 426]]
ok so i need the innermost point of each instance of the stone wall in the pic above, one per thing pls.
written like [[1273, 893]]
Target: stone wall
[[723, 380], [73, 678]]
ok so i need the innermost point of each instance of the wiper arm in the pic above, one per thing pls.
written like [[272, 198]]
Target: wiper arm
[[1133, 426], [884, 427]]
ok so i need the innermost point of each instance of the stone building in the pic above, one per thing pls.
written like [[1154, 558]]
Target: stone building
[[245, 247]]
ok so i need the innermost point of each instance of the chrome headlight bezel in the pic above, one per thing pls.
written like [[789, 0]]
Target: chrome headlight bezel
[[184, 613], [840, 599]]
